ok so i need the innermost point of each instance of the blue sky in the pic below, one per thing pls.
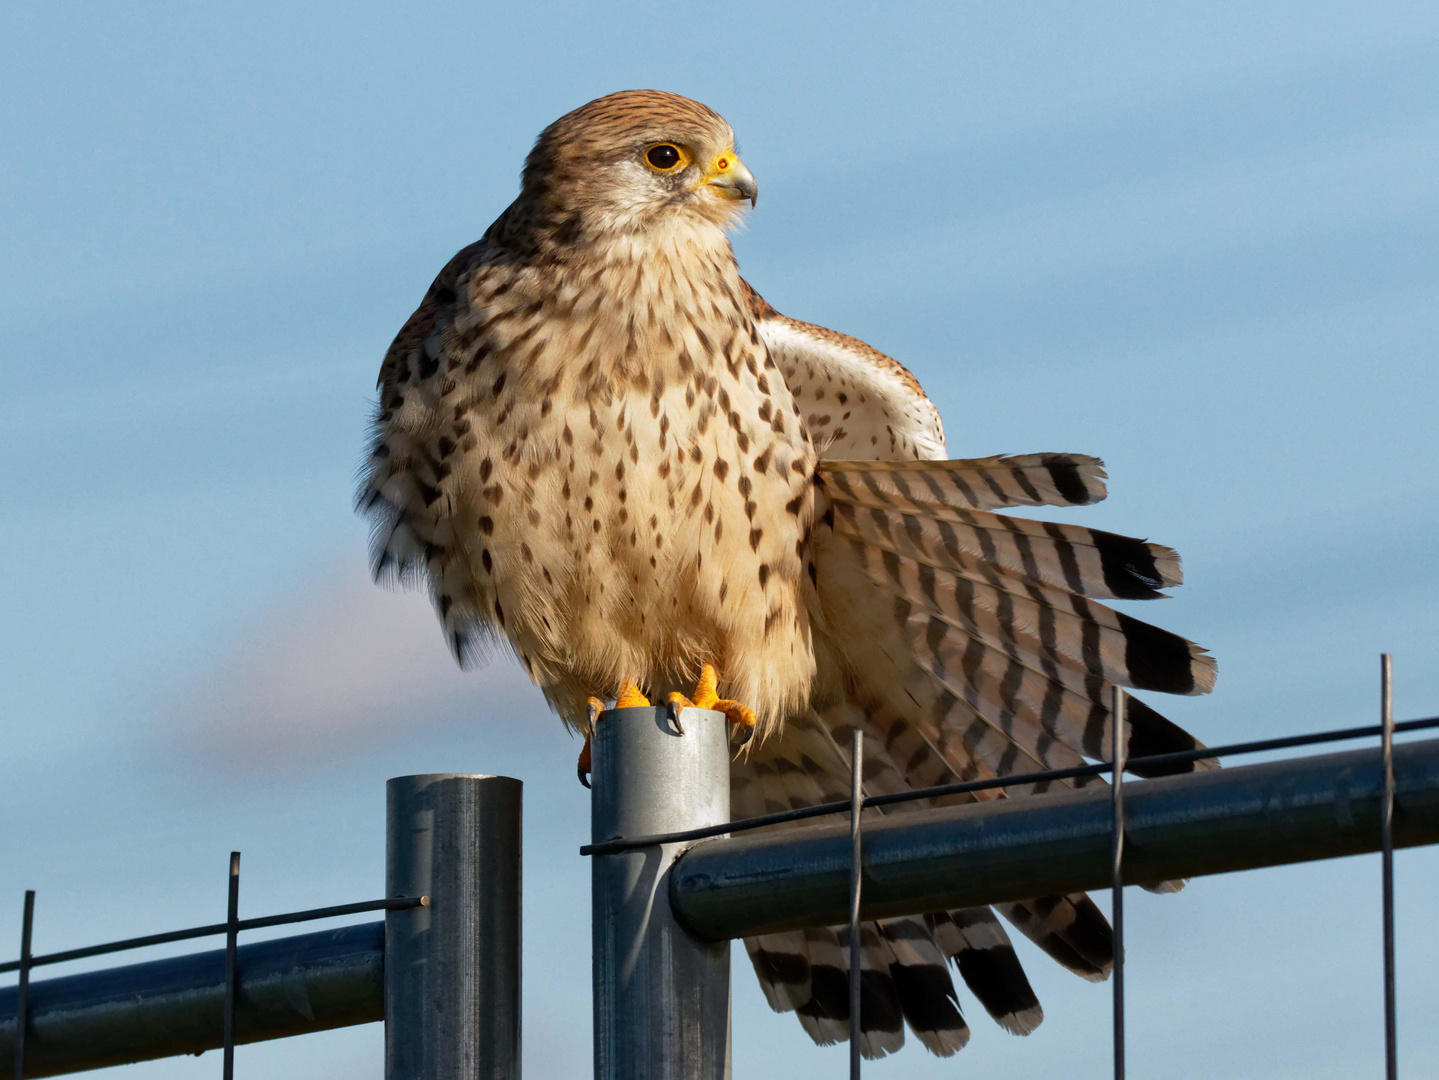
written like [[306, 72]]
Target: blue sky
[[1199, 242]]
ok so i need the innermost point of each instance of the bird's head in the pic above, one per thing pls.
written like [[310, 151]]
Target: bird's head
[[635, 160]]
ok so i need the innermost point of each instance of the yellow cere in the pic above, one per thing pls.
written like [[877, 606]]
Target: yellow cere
[[722, 164]]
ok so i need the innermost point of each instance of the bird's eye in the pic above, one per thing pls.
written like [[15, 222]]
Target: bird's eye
[[664, 157]]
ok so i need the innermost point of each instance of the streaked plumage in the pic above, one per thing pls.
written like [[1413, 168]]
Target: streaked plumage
[[599, 445]]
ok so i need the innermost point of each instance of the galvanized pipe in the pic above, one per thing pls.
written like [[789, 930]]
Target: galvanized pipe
[[452, 969], [661, 996], [289, 986], [984, 853]]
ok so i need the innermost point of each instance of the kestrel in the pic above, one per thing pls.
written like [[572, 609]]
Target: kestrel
[[597, 444]]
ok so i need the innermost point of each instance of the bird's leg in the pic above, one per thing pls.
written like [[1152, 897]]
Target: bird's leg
[[707, 697], [630, 697]]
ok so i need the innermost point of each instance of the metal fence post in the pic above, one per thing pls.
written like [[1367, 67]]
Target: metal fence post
[[661, 995], [452, 969]]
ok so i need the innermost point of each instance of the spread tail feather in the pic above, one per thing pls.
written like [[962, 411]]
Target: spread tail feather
[[904, 977], [973, 483], [981, 630], [969, 645]]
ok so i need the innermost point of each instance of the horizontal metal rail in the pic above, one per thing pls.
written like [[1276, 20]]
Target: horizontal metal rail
[[918, 861], [1148, 765], [288, 986]]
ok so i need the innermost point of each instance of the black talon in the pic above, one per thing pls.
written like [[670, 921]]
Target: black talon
[[675, 718], [582, 766]]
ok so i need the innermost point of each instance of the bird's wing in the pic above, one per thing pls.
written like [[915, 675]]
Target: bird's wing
[[968, 644], [857, 403], [406, 480], [433, 312]]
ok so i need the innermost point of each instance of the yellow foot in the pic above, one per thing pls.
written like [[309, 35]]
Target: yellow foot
[[707, 697], [629, 698]]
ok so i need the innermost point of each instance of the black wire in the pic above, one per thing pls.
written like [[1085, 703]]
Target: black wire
[[22, 992], [617, 845], [232, 969], [1386, 863], [399, 903], [620, 844]]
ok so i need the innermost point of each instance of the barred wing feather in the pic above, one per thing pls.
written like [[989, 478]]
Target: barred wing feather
[[964, 644]]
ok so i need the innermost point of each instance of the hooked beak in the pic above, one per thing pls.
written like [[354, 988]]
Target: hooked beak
[[729, 177]]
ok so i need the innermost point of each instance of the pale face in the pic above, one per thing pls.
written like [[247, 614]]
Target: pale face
[[650, 181], [637, 160]]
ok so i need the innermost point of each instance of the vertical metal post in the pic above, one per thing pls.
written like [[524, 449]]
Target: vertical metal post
[[661, 995], [232, 918], [452, 968], [22, 995], [856, 804], [1386, 843], [1116, 874]]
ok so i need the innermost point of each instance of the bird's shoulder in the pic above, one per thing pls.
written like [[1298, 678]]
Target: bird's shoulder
[[436, 306], [858, 403]]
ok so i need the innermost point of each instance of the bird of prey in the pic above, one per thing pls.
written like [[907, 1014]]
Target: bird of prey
[[597, 445]]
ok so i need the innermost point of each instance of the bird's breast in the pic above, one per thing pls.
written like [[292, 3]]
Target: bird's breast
[[640, 487]]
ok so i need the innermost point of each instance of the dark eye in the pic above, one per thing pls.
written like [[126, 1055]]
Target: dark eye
[[664, 156]]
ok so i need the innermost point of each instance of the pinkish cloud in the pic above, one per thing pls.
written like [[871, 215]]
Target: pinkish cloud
[[345, 667]]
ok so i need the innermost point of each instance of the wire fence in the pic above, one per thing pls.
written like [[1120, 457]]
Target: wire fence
[[1116, 767], [1104, 768], [232, 927], [1152, 764]]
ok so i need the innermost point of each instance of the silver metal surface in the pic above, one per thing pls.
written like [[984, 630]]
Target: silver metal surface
[[452, 968], [1008, 849], [661, 996], [120, 1015], [856, 804], [1386, 847], [1117, 746]]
